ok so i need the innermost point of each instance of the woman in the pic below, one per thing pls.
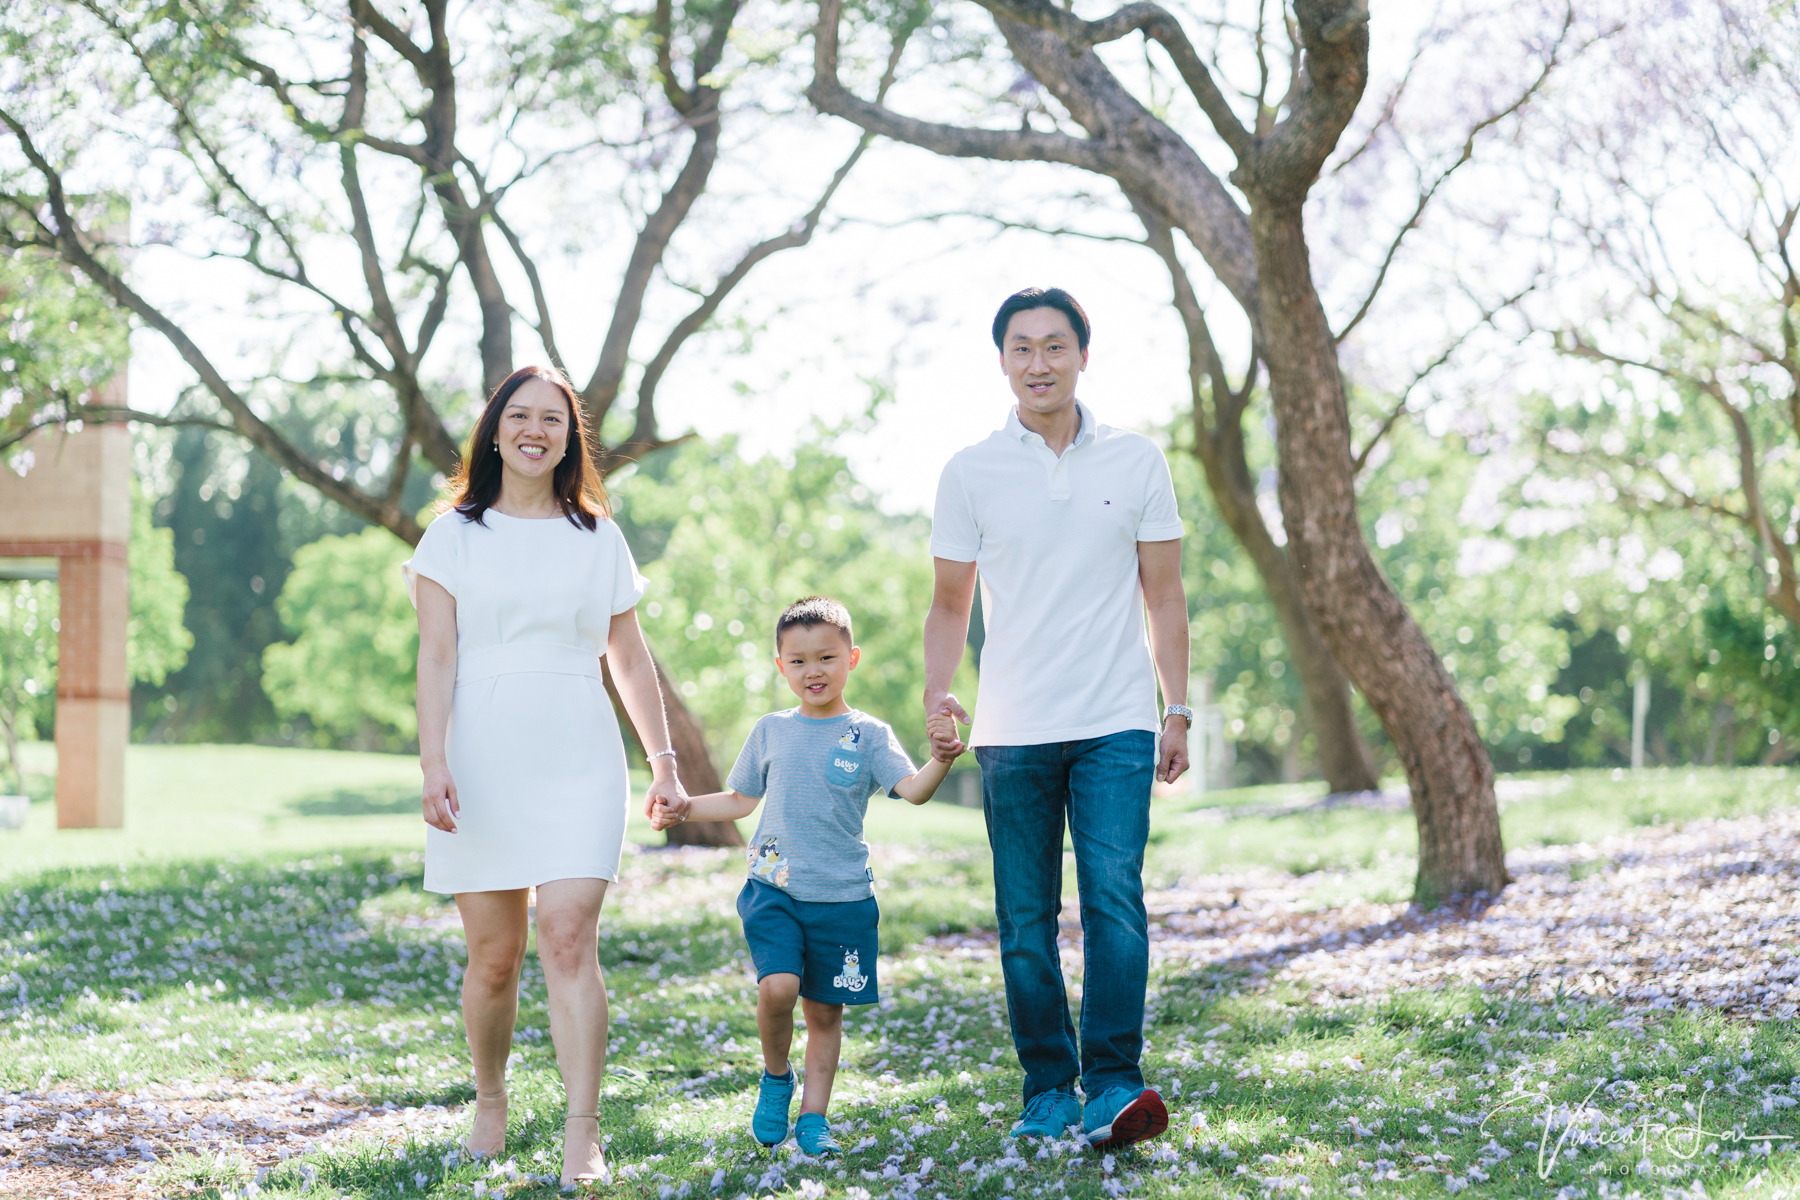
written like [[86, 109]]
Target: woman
[[520, 586]]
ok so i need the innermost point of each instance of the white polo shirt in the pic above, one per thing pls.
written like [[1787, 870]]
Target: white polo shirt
[[1055, 540]]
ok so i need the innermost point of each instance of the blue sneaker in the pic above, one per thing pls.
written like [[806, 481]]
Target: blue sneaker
[[812, 1133], [1121, 1117], [769, 1123], [1049, 1114]]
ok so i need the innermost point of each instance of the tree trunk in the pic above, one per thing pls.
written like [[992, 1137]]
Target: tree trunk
[[1262, 261], [1341, 758], [1358, 614], [693, 762]]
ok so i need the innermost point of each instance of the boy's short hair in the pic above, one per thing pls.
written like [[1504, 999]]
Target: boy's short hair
[[1035, 297], [814, 610]]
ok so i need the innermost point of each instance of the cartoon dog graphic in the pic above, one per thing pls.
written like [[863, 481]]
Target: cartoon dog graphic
[[767, 864], [852, 980], [852, 739]]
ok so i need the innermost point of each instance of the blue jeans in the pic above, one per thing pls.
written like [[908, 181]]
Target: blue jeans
[[1101, 787]]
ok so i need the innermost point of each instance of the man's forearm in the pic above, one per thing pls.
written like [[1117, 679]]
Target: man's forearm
[[946, 633], [1169, 648]]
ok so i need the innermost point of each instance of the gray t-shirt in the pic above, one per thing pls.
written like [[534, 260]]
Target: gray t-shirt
[[815, 778]]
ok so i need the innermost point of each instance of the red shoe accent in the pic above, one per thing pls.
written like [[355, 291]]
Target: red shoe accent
[[1138, 1121]]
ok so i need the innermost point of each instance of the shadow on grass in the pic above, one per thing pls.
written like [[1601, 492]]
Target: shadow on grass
[[350, 802], [331, 930]]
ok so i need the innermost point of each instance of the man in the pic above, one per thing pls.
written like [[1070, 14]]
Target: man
[[1073, 529]]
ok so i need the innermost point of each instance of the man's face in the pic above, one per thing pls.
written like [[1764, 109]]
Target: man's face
[[1041, 359]]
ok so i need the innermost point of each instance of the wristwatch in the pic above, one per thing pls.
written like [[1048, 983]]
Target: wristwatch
[[1182, 711]]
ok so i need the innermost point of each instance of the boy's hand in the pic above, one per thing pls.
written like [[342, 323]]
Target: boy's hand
[[945, 745]]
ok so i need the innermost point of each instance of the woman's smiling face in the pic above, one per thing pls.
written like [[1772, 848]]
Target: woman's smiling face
[[534, 429]]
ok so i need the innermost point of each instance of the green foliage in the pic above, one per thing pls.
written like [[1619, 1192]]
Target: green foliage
[[27, 670], [157, 641], [223, 508], [1236, 637], [60, 338], [728, 543], [351, 665], [1490, 604], [1675, 589]]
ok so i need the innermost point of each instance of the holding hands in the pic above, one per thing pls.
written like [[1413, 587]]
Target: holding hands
[[666, 802], [945, 745], [942, 712], [665, 811]]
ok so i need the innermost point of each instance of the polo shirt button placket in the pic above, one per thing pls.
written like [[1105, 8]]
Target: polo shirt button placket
[[1059, 478]]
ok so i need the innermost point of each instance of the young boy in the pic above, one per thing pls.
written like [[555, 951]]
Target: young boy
[[808, 909]]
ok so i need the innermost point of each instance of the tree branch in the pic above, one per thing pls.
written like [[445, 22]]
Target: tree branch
[[74, 251], [1467, 153], [799, 234], [829, 96], [99, 414], [1155, 23], [652, 242], [1487, 317]]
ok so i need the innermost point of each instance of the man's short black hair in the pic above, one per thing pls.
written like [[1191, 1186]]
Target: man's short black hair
[[814, 610], [1034, 297]]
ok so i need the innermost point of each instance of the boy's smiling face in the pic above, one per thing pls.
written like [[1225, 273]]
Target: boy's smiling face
[[816, 661]]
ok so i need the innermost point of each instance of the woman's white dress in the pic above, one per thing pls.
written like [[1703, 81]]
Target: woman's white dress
[[533, 745]]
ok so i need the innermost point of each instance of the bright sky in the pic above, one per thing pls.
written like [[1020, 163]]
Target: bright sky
[[874, 296]]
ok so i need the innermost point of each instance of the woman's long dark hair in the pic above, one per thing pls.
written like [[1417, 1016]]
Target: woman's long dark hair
[[576, 482]]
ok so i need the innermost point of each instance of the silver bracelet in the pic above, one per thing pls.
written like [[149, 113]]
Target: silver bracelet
[[650, 758]]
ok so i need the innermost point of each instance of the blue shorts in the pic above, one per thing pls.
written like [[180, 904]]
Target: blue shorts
[[831, 946]]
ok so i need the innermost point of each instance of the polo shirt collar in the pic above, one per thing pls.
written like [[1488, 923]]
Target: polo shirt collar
[[1084, 431]]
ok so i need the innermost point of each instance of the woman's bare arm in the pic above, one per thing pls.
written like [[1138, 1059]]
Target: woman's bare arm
[[634, 674], [437, 685]]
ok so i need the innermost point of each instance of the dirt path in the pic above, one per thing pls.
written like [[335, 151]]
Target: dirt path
[[107, 1143], [1701, 916]]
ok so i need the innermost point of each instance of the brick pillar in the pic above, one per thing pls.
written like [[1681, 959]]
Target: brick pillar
[[93, 688]]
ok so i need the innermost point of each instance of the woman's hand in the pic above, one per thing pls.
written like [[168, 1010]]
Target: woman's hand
[[665, 813], [441, 807], [664, 799]]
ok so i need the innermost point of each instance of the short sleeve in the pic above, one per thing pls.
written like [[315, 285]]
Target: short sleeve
[[1161, 521], [955, 535], [436, 556], [890, 764], [750, 774], [629, 584]]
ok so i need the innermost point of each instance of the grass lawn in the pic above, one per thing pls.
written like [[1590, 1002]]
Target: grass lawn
[[260, 918]]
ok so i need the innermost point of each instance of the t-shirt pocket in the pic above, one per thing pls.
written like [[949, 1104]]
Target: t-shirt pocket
[[848, 774]]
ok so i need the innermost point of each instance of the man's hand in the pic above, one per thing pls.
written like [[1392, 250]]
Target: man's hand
[[441, 806], [1172, 756], [942, 728], [937, 704]]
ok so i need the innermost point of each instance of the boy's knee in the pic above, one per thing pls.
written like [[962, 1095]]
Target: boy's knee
[[821, 1017], [779, 989]]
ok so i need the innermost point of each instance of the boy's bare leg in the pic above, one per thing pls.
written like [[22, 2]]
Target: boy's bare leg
[[775, 996], [824, 1042]]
